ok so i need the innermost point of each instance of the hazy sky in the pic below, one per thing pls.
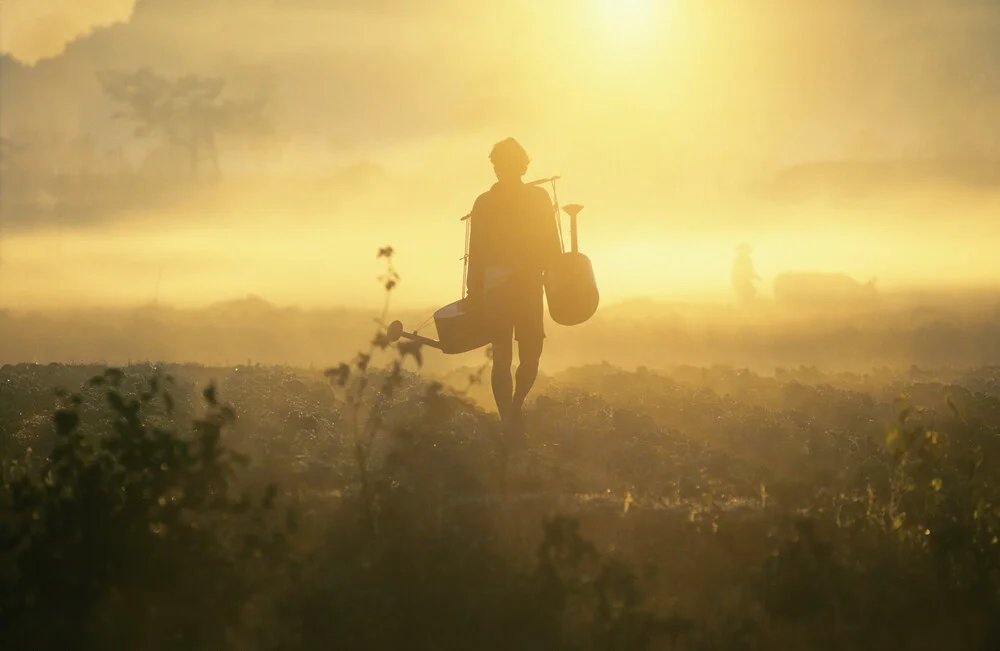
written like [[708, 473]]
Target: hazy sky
[[776, 79], [635, 102], [34, 29]]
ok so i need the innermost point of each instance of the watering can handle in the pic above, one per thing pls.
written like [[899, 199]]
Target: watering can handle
[[573, 210]]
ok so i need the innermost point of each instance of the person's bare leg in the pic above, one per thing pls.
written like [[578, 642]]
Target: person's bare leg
[[528, 356], [503, 357]]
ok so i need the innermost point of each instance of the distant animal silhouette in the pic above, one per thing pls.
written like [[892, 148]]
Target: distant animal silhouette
[[815, 288]]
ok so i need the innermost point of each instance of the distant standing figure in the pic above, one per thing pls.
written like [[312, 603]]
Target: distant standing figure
[[513, 237], [744, 275]]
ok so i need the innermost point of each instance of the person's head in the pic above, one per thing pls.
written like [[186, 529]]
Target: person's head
[[510, 161]]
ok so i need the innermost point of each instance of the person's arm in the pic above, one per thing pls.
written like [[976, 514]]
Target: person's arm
[[476, 278]]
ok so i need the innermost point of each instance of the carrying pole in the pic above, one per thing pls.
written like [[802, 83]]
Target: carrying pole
[[465, 258], [555, 200]]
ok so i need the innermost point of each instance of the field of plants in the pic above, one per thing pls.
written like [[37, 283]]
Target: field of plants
[[369, 507]]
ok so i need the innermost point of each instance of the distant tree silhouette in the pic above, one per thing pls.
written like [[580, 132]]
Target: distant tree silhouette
[[188, 111]]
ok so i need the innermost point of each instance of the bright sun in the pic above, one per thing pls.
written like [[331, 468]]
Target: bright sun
[[627, 27], [626, 17]]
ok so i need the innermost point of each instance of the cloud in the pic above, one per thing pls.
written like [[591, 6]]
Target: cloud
[[31, 30]]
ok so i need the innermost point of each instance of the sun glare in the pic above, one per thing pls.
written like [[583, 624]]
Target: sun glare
[[627, 29], [626, 18]]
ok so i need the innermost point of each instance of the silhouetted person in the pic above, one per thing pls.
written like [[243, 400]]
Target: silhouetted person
[[744, 275], [513, 237]]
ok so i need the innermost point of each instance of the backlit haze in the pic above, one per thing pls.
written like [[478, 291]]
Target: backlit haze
[[855, 137]]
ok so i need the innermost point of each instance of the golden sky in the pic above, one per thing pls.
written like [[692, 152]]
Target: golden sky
[[657, 113], [775, 79]]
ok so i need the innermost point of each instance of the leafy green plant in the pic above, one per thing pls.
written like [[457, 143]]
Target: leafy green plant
[[129, 537]]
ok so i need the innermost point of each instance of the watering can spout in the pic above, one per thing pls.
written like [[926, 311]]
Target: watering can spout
[[395, 332]]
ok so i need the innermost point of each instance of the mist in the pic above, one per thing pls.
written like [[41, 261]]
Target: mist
[[853, 138], [757, 409]]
